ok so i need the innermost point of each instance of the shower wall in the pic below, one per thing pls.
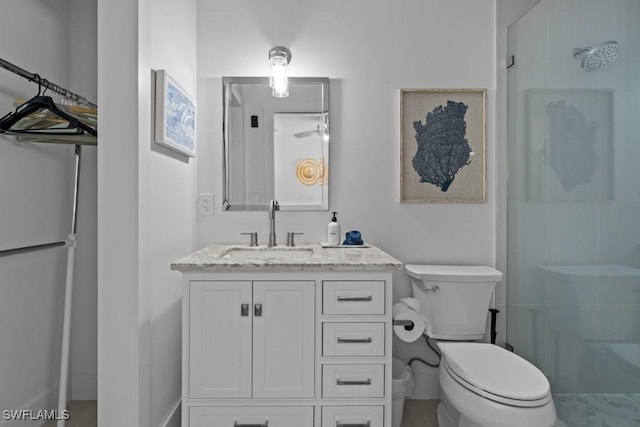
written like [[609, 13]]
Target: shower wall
[[573, 249]]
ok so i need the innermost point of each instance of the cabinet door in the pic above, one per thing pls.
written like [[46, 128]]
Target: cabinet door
[[283, 339], [220, 340]]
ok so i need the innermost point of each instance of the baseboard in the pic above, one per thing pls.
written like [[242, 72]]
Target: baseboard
[[174, 417], [47, 400], [84, 386]]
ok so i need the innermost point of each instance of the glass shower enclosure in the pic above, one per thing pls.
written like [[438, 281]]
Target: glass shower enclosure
[[573, 236]]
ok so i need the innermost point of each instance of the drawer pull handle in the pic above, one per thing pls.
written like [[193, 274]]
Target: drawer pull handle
[[264, 424], [367, 340], [367, 424], [353, 382], [355, 299]]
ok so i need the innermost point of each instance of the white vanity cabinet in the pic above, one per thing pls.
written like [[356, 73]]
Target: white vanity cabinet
[[287, 345]]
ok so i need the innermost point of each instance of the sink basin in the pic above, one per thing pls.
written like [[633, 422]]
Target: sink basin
[[271, 253]]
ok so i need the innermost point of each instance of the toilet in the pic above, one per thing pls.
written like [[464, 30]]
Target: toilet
[[481, 384]]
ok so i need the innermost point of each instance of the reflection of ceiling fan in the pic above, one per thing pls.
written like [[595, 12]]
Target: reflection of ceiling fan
[[307, 133]]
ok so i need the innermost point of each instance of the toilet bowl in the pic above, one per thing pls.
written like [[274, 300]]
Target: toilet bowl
[[481, 385], [484, 385]]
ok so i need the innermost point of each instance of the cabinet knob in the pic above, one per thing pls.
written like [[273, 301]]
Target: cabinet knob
[[244, 309], [257, 310]]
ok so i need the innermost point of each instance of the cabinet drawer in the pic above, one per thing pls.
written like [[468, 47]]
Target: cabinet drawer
[[347, 380], [365, 416], [353, 297], [352, 339], [240, 416]]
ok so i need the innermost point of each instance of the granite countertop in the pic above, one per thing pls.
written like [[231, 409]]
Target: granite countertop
[[302, 258]]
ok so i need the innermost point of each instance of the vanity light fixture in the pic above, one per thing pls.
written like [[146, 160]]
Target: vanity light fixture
[[279, 58]]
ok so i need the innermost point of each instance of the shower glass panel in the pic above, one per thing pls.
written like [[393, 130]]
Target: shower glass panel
[[574, 204]]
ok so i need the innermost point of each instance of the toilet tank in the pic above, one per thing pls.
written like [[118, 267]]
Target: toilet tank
[[454, 298]]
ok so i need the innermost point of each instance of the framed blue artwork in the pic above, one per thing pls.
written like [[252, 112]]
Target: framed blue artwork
[[442, 145], [175, 116]]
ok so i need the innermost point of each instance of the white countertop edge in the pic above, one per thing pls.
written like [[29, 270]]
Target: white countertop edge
[[356, 258]]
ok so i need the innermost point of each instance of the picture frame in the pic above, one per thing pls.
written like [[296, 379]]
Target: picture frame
[[569, 145], [443, 145], [175, 116]]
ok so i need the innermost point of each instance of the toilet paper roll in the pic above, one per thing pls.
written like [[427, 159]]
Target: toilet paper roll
[[402, 311], [413, 303]]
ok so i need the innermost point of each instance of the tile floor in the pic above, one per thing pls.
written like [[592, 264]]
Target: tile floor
[[597, 410], [83, 413], [419, 413], [577, 410]]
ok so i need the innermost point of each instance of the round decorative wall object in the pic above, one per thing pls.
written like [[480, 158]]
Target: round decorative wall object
[[310, 172]]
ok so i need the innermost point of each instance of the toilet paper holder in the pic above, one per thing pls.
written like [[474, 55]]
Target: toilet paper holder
[[408, 324]]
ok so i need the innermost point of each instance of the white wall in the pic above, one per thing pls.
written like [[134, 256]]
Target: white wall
[[167, 201], [146, 212], [83, 76], [369, 50], [36, 186], [118, 334]]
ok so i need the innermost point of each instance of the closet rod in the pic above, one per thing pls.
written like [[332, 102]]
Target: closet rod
[[46, 83], [25, 249]]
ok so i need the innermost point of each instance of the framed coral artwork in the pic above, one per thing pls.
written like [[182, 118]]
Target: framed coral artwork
[[442, 145]]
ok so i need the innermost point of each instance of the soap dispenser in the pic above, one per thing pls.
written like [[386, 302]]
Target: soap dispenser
[[334, 235]]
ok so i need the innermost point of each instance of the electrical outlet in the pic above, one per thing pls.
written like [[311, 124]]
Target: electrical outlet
[[205, 204]]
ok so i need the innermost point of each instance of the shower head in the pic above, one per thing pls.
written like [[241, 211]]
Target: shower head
[[598, 56]]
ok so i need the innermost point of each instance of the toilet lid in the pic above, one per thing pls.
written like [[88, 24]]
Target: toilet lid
[[454, 273], [496, 373]]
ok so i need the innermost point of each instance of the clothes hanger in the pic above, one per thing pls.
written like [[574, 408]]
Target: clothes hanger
[[41, 116], [61, 123]]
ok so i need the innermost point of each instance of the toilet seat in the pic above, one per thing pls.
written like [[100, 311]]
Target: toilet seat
[[496, 374]]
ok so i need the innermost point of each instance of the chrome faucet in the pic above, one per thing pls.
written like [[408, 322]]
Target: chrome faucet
[[273, 207]]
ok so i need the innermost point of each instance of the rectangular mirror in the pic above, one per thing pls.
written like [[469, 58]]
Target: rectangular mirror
[[276, 148]]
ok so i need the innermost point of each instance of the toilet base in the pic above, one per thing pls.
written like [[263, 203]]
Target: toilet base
[[459, 407], [443, 417], [448, 416]]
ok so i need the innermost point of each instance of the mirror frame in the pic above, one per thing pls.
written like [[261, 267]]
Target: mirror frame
[[226, 205]]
